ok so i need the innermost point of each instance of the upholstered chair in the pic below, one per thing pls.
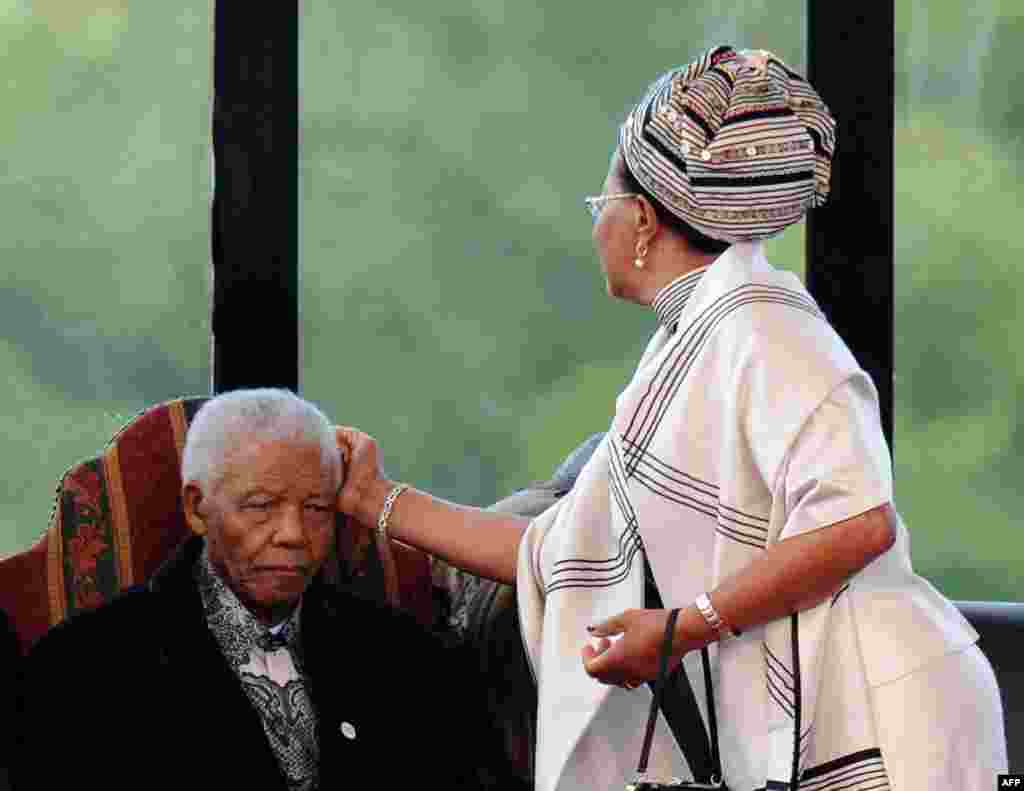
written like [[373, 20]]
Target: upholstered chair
[[117, 517]]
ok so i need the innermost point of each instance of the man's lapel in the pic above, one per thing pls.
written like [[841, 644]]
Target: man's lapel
[[352, 686], [326, 670], [225, 722]]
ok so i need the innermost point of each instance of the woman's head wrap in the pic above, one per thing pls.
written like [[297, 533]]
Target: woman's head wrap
[[736, 144]]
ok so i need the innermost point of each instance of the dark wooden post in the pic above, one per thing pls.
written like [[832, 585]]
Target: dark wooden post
[[255, 322], [851, 63]]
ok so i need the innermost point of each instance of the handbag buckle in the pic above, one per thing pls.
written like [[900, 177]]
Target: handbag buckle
[[643, 783]]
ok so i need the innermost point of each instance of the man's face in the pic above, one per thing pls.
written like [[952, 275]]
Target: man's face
[[269, 522]]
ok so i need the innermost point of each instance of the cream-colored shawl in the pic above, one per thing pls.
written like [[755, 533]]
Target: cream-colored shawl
[[702, 466]]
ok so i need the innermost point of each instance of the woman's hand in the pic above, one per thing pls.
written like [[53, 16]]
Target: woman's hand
[[364, 479], [631, 659]]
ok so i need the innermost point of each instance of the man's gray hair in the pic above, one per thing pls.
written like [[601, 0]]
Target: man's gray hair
[[265, 414]]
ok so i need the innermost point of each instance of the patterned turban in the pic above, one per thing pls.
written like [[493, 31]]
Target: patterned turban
[[736, 144]]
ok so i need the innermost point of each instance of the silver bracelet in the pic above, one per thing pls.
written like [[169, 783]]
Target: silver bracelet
[[711, 615], [389, 503]]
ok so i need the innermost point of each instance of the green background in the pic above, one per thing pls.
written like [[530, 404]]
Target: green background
[[451, 299]]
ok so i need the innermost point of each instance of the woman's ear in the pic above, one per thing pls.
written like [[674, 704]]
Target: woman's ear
[[191, 500], [646, 219]]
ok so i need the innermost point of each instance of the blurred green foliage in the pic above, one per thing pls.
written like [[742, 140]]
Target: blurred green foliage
[[105, 187], [452, 302]]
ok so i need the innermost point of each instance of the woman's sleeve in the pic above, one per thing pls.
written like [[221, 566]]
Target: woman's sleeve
[[839, 465]]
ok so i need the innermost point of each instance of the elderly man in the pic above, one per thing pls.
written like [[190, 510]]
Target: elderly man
[[237, 666]]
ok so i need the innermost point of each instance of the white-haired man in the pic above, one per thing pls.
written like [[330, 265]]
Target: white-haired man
[[237, 666]]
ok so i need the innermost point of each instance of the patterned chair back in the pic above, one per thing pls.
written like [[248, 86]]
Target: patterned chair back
[[118, 517]]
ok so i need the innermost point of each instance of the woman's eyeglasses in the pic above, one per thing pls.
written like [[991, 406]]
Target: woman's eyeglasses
[[596, 202]]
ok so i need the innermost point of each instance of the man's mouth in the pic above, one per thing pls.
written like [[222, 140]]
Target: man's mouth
[[282, 570]]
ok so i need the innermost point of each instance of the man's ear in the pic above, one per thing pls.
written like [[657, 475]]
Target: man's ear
[[192, 499]]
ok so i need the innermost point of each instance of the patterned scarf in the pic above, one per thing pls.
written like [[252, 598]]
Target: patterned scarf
[[270, 668], [737, 144]]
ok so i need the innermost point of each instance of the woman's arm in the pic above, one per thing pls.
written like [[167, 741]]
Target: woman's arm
[[792, 575], [478, 541], [802, 571]]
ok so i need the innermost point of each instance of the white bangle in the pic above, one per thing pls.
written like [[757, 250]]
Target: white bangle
[[389, 503], [711, 615]]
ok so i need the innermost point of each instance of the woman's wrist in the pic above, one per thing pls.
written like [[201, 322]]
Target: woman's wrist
[[714, 619], [371, 503], [692, 632], [384, 520]]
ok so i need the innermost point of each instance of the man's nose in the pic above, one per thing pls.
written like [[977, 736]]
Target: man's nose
[[289, 529]]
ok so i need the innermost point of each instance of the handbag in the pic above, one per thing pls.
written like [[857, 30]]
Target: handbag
[[642, 783]]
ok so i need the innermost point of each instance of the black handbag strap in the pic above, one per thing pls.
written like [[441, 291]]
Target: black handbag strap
[[674, 697], [659, 688]]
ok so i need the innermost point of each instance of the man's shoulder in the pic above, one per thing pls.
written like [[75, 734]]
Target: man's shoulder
[[366, 639], [355, 609], [126, 620], [394, 632]]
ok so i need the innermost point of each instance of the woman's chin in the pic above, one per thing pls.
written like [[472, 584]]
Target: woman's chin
[[615, 289]]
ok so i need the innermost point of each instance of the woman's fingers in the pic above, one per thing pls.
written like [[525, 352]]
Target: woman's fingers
[[595, 648], [631, 657], [605, 661], [360, 455], [614, 625], [353, 443], [343, 436]]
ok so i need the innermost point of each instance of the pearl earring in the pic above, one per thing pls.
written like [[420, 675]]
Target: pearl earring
[[641, 253]]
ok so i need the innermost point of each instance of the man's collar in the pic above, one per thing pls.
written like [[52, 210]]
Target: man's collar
[[235, 628], [669, 302]]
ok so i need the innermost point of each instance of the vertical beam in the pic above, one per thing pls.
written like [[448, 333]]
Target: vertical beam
[[255, 322], [851, 63]]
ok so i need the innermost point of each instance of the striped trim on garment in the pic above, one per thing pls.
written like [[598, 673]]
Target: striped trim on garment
[[689, 491], [688, 344], [780, 682], [859, 771], [838, 593], [784, 689], [669, 302], [668, 305], [604, 573]]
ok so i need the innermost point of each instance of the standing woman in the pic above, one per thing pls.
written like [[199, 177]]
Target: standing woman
[[746, 463]]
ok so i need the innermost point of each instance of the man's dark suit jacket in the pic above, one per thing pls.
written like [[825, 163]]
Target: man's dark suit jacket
[[137, 695]]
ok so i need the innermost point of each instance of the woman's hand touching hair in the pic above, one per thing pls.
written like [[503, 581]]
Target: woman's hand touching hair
[[481, 542], [364, 485]]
